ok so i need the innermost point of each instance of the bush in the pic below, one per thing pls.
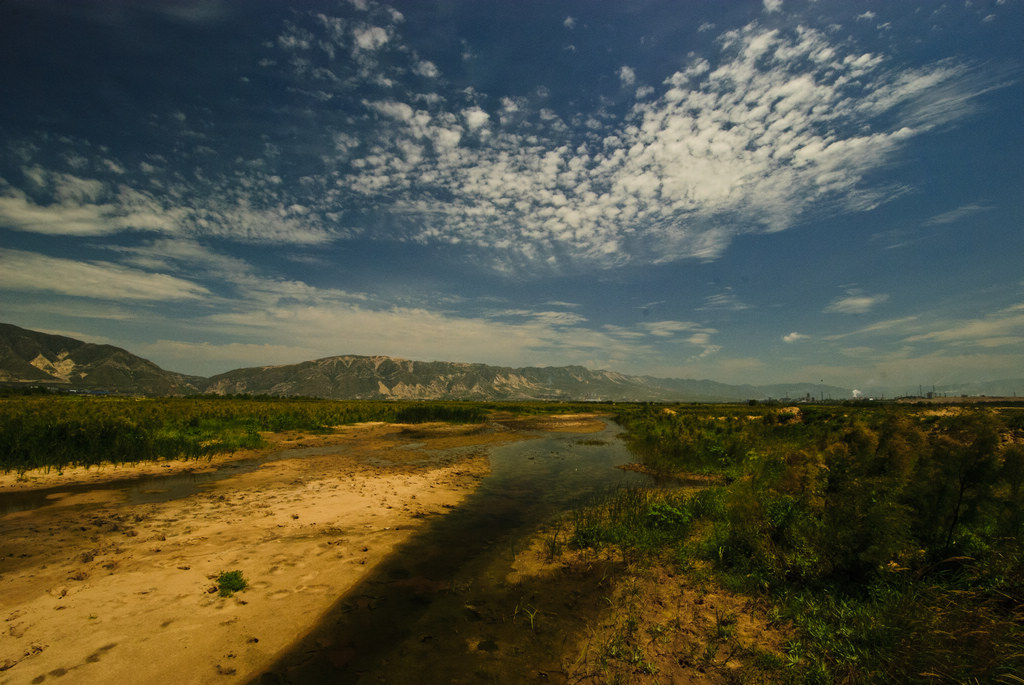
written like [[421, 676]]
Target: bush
[[891, 538]]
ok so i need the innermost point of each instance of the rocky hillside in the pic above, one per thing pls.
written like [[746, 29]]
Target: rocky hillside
[[358, 377], [361, 377], [33, 358]]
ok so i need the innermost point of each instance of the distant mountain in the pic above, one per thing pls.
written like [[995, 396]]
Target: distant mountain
[[30, 357], [358, 377]]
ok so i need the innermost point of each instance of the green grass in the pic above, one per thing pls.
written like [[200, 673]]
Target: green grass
[[230, 582]]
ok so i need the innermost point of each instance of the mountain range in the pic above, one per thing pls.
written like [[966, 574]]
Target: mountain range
[[34, 358]]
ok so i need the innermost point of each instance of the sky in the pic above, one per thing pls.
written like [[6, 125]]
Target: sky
[[745, 191]]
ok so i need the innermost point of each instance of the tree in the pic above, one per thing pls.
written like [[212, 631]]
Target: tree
[[956, 478]]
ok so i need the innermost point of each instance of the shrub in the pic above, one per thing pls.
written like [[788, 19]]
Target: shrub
[[230, 582]]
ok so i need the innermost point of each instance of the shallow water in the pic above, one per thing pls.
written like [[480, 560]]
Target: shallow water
[[440, 609]]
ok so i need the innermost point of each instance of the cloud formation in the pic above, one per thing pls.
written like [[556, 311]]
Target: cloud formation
[[773, 127], [66, 204], [28, 271], [1003, 328], [776, 126], [85, 207], [958, 214], [855, 302]]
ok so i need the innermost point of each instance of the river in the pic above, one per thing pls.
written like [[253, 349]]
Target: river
[[442, 608]]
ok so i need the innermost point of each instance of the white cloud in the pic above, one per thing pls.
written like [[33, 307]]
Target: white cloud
[[569, 23], [725, 300], [475, 117], [550, 318], [772, 5], [370, 37], [706, 352], [28, 271], [222, 208], [885, 327], [427, 69], [179, 254], [781, 125], [855, 302], [775, 126], [79, 211], [794, 337], [954, 215], [682, 331], [241, 222], [1001, 329], [393, 109]]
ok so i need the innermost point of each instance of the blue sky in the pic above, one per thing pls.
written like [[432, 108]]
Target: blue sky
[[770, 191]]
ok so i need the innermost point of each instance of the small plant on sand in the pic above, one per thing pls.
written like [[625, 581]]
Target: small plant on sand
[[230, 582], [527, 610], [553, 543]]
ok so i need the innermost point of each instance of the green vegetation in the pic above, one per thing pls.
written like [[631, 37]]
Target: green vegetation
[[438, 411], [889, 536], [56, 431], [230, 582], [61, 431]]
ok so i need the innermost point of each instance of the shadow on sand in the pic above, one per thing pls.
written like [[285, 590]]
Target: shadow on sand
[[441, 607]]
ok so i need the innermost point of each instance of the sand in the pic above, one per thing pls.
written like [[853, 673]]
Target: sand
[[97, 590]]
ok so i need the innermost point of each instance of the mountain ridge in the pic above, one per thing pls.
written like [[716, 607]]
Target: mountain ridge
[[32, 357]]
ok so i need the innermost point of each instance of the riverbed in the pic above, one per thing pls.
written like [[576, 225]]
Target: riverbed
[[359, 548]]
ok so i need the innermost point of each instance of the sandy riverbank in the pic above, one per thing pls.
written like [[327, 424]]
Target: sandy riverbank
[[96, 590]]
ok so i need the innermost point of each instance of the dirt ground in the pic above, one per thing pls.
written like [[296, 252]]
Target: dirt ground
[[94, 589]]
